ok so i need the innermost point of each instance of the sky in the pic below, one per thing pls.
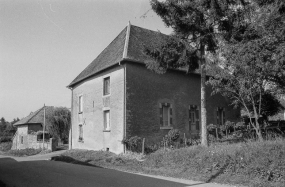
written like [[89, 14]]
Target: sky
[[45, 44]]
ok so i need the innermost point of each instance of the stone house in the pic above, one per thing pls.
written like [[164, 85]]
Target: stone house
[[29, 132], [116, 96]]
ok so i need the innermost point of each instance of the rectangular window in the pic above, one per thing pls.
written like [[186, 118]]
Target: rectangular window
[[80, 133], [80, 104], [165, 114], [22, 139], [194, 122], [107, 120], [106, 86], [220, 116]]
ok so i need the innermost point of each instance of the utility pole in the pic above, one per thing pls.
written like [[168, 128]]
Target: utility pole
[[44, 126]]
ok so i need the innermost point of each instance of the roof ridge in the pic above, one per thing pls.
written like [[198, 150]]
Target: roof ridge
[[126, 46]]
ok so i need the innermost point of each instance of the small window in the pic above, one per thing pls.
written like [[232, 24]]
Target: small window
[[22, 139], [106, 86], [165, 114], [80, 133], [80, 104], [107, 120]]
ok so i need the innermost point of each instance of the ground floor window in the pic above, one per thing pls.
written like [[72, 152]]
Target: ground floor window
[[107, 120], [194, 122], [22, 139], [220, 116], [165, 114], [80, 132]]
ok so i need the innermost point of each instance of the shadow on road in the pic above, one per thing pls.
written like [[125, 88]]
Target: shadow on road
[[73, 161], [2, 184]]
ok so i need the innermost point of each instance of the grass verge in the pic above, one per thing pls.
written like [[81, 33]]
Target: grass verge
[[251, 164], [23, 152]]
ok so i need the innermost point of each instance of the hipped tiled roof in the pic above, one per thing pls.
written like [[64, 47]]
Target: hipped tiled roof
[[128, 45], [35, 117]]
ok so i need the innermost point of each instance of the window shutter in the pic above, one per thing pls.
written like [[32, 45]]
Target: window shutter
[[160, 114], [197, 119], [170, 114], [218, 121]]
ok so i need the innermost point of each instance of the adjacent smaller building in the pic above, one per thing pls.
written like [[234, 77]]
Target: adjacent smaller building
[[29, 132]]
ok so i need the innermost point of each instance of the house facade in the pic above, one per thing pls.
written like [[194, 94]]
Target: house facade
[[116, 97]]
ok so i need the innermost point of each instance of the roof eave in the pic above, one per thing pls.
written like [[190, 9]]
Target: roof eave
[[72, 85]]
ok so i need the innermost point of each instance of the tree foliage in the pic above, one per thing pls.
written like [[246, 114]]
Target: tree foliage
[[252, 65], [59, 123], [197, 26]]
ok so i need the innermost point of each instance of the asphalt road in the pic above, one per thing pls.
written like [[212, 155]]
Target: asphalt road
[[43, 173]]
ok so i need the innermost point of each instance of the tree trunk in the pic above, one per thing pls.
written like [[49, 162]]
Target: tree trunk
[[204, 140], [257, 125]]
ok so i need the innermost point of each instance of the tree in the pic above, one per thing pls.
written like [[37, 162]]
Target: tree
[[197, 26], [252, 69], [59, 123], [15, 120], [3, 124]]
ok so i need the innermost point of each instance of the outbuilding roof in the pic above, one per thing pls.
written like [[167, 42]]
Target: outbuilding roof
[[35, 117]]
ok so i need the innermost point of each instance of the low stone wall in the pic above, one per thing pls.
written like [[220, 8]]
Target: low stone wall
[[30, 141]]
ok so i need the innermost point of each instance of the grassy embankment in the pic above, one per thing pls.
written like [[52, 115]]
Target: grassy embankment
[[249, 164]]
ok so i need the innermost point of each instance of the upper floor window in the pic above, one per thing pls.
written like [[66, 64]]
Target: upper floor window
[[106, 88], [80, 98], [165, 114]]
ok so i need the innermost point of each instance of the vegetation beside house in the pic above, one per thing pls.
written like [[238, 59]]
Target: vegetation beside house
[[251, 163]]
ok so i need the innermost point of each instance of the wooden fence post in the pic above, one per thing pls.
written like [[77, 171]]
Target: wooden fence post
[[185, 143], [143, 146]]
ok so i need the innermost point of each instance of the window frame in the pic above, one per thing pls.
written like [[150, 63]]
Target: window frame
[[80, 104], [107, 126], [106, 87], [194, 124], [80, 133], [169, 107]]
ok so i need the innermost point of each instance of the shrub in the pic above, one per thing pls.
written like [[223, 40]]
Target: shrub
[[5, 146], [173, 134], [6, 139], [133, 143]]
